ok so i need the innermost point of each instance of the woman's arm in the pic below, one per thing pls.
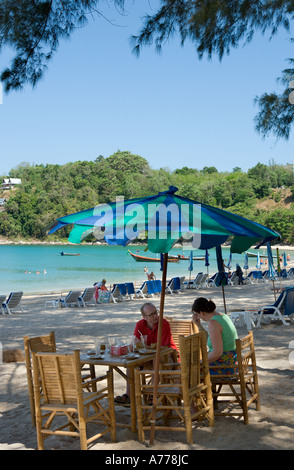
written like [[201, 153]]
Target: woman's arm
[[215, 334]]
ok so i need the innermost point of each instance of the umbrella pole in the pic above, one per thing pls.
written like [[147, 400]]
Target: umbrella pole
[[158, 346], [224, 299]]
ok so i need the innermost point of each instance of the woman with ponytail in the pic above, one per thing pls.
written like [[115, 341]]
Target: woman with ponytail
[[221, 335]]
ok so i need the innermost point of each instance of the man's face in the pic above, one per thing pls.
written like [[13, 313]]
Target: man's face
[[150, 315]]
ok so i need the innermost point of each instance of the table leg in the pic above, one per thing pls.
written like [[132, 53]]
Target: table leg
[[133, 399]]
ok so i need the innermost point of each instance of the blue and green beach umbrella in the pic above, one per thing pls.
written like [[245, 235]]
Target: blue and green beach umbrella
[[167, 219]]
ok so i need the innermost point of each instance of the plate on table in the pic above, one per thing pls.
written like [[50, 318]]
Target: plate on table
[[145, 351], [132, 356], [93, 355]]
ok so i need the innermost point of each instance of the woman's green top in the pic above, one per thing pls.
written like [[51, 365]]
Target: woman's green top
[[229, 333]]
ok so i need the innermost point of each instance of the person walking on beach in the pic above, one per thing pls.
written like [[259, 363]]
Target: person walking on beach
[[239, 274], [222, 335]]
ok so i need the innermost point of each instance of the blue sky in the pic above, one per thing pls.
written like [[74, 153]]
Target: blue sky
[[172, 109]]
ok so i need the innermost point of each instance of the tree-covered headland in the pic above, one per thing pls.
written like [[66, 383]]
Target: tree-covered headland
[[265, 193]]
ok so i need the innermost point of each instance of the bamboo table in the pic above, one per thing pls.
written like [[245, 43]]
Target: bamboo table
[[118, 362]]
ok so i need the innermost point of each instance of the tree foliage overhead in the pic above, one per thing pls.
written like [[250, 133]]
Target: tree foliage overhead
[[51, 191], [33, 30]]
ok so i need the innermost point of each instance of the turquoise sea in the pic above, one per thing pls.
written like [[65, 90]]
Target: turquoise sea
[[95, 262]]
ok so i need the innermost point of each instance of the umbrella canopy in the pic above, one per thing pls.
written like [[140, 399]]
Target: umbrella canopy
[[167, 218]]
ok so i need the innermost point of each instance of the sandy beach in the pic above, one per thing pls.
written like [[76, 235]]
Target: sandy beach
[[272, 428]]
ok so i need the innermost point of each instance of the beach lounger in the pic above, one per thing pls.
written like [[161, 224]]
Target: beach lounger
[[211, 281], [12, 302], [143, 290], [119, 292], [2, 299], [221, 279], [284, 273], [281, 309], [196, 283], [71, 300], [149, 288], [157, 286], [173, 285], [188, 284], [250, 278], [87, 297], [291, 273], [130, 290], [233, 279]]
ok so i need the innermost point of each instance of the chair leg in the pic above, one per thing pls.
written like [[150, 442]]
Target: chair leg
[[40, 437], [83, 434]]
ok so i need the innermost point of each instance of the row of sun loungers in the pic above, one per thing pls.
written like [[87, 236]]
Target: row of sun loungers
[[281, 309], [119, 293], [203, 280], [12, 302]]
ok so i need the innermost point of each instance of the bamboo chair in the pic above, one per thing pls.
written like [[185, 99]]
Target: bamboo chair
[[64, 396], [45, 343], [241, 386], [38, 344], [186, 397], [181, 327]]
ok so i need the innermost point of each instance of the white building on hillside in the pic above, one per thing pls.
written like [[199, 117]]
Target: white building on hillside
[[9, 183]]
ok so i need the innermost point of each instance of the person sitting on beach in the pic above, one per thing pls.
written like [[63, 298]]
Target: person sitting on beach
[[222, 335], [151, 276], [148, 327]]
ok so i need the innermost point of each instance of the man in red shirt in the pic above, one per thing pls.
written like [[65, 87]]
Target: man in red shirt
[[149, 326]]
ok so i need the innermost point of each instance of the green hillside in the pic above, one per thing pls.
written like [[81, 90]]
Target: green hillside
[[264, 193]]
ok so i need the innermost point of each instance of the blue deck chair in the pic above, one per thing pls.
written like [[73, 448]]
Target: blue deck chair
[[157, 286], [291, 273], [173, 285], [282, 308], [151, 288], [119, 292], [221, 279], [142, 291], [130, 290]]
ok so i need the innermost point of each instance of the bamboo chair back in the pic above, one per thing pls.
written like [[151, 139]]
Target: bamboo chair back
[[182, 327], [36, 344], [177, 391], [63, 393], [242, 385]]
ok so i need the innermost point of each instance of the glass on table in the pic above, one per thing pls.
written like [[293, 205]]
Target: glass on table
[[97, 344], [112, 341]]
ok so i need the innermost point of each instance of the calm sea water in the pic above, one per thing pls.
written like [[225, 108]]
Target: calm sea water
[[95, 262]]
